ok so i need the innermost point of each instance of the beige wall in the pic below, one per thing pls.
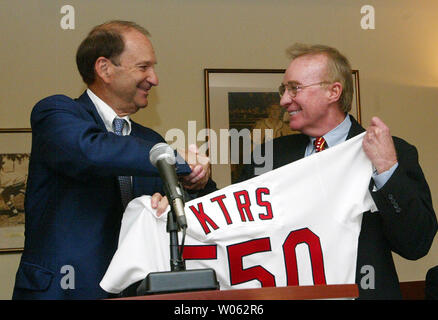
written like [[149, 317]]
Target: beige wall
[[398, 63]]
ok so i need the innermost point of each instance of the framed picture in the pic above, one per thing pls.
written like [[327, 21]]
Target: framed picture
[[240, 104], [15, 145]]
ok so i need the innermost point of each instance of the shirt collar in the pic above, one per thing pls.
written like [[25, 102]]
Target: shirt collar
[[107, 113], [336, 135]]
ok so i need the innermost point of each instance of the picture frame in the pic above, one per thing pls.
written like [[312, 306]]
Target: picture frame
[[15, 146], [239, 99]]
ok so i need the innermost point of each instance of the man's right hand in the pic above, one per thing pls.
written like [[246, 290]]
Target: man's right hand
[[200, 165]]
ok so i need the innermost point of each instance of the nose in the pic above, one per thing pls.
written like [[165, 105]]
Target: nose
[[152, 77], [285, 100]]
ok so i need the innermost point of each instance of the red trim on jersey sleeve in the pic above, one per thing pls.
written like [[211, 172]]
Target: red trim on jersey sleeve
[[200, 252]]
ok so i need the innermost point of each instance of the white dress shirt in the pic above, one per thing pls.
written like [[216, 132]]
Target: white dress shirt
[[108, 114]]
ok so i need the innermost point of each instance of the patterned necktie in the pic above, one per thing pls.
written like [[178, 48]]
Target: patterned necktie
[[124, 181], [319, 144]]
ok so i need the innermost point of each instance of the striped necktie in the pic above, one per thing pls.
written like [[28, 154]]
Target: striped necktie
[[319, 144], [124, 181]]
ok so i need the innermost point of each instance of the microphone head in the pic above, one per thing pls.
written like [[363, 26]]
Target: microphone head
[[162, 151]]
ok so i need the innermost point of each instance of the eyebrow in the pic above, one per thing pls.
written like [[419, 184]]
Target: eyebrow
[[292, 83], [147, 63]]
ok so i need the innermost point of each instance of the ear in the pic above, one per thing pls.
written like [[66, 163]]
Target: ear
[[103, 68], [334, 91]]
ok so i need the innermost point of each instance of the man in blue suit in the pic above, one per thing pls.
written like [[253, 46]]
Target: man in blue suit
[[74, 201]]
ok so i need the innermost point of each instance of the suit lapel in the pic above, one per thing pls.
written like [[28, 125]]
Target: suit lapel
[[300, 147], [139, 183], [288, 149], [135, 180], [135, 132], [297, 143], [89, 106], [355, 129]]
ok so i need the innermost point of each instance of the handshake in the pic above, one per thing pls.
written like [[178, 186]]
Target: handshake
[[196, 180]]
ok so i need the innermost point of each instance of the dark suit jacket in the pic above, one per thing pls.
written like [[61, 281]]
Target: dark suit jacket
[[405, 223], [431, 284], [73, 205]]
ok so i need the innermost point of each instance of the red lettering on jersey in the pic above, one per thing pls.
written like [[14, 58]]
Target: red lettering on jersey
[[243, 206], [218, 199], [314, 244], [239, 274], [203, 218], [261, 203]]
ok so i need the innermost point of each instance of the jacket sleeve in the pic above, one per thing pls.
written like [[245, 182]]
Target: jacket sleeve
[[68, 140], [405, 205]]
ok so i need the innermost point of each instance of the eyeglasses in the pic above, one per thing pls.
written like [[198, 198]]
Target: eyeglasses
[[292, 89]]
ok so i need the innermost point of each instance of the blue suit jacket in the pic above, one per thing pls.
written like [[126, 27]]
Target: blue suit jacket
[[73, 205]]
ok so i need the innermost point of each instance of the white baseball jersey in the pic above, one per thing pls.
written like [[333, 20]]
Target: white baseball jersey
[[296, 225]]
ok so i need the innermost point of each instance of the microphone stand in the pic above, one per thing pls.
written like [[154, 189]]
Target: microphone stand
[[178, 279], [176, 262]]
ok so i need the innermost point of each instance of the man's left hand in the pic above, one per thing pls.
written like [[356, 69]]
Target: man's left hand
[[379, 146]]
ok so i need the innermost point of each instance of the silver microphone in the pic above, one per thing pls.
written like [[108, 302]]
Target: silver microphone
[[163, 158]]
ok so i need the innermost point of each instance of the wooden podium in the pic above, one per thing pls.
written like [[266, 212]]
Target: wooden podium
[[341, 291]]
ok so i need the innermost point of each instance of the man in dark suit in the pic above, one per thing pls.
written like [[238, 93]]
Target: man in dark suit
[[88, 160], [317, 91]]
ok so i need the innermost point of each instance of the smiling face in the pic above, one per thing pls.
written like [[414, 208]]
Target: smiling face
[[313, 111], [133, 75]]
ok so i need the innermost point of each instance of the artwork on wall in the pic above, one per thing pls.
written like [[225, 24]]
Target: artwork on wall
[[15, 145], [245, 102]]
